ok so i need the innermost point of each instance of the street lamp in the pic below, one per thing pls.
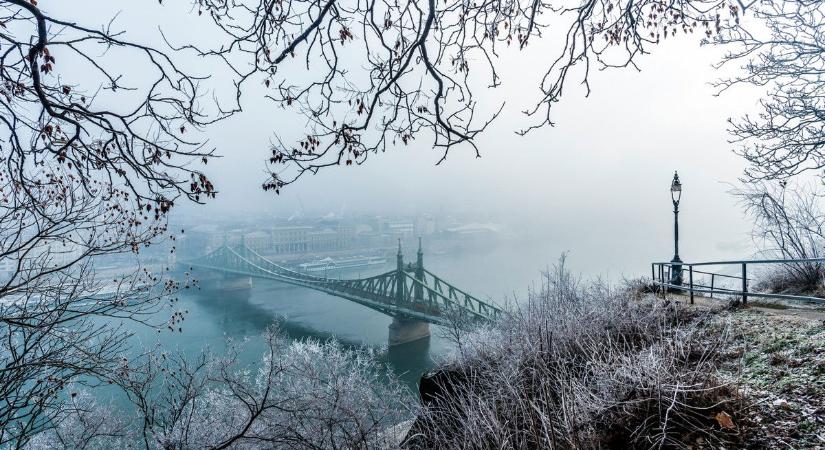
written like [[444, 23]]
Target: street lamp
[[676, 263]]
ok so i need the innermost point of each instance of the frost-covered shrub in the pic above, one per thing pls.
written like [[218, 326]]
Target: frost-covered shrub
[[789, 224], [307, 394], [577, 366], [83, 422], [806, 278]]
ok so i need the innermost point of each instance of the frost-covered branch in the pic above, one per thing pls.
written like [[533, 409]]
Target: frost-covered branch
[[306, 395]]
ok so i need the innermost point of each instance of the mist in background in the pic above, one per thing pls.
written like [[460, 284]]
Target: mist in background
[[596, 184]]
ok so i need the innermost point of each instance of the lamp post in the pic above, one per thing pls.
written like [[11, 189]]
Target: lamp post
[[676, 263]]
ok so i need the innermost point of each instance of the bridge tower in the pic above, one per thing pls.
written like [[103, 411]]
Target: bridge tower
[[404, 330], [399, 276], [230, 281], [419, 273]]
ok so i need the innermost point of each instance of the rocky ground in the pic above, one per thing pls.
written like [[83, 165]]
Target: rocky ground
[[776, 360]]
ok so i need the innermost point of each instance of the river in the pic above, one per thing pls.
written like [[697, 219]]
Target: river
[[490, 271]]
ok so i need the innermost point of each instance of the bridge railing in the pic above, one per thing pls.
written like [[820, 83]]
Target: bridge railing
[[671, 276]]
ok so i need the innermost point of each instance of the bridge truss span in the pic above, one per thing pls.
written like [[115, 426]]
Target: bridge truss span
[[409, 293]]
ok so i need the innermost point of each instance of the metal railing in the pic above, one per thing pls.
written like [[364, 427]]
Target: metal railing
[[662, 274]]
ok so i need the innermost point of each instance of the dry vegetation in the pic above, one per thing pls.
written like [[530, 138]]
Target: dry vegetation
[[584, 366], [301, 395], [789, 224], [794, 279]]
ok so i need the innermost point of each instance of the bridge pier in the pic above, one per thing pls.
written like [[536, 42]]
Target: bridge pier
[[403, 331]]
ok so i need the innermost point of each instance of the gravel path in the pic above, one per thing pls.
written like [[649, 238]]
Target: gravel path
[[783, 309]]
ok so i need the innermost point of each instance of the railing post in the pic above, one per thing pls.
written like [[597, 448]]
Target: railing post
[[665, 281], [662, 279], [712, 279], [658, 283], [690, 276], [744, 284]]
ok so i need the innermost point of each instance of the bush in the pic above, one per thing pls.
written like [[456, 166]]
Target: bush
[[578, 366], [794, 279], [789, 224], [302, 395]]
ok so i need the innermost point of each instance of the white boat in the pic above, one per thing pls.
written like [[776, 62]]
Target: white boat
[[350, 262]]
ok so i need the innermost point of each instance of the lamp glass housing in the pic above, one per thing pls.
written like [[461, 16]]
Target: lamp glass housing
[[676, 189]]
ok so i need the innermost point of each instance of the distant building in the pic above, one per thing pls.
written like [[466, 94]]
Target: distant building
[[425, 226], [199, 239], [472, 229], [372, 239], [401, 229], [290, 239], [347, 231], [233, 238], [258, 241], [321, 235], [324, 240]]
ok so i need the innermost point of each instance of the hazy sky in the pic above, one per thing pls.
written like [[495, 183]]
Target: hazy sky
[[597, 183]]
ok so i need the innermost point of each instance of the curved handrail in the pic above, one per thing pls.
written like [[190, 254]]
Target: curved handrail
[[743, 261]]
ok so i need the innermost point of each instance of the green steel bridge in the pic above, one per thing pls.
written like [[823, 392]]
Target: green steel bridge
[[412, 295]]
